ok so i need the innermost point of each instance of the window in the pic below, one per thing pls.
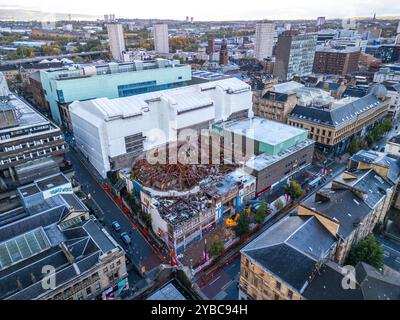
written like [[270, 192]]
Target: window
[[255, 282], [290, 294], [134, 142], [278, 286], [88, 291], [79, 295], [97, 287], [276, 296], [105, 270]]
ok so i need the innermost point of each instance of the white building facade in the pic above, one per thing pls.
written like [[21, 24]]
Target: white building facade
[[116, 40], [112, 132], [161, 44]]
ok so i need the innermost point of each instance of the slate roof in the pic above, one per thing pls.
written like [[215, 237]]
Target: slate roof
[[373, 186], [86, 241], [339, 115], [285, 262], [89, 244], [369, 284], [343, 206], [291, 248], [327, 285], [354, 91], [276, 96], [381, 159], [376, 286]]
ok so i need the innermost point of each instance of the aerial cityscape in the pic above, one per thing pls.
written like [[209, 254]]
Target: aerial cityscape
[[165, 154]]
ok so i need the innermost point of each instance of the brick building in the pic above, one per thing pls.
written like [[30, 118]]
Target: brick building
[[336, 61]]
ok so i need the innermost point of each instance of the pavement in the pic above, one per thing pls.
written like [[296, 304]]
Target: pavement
[[139, 251]]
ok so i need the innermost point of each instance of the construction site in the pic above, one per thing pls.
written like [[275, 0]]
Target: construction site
[[187, 202], [185, 168]]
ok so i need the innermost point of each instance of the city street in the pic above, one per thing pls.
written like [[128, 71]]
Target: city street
[[139, 251], [223, 284]]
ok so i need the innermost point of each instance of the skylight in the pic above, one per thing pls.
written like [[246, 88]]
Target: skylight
[[22, 247]]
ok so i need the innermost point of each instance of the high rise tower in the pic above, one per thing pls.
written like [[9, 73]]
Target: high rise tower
[[116, 40], [265, 32]]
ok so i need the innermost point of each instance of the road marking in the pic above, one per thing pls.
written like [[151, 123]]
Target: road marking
[[226, 285], [214, 281]]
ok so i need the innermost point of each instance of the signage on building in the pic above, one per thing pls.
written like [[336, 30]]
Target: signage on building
[[263, 192], [65, 188]]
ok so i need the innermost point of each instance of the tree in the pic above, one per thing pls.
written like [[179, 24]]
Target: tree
[[146, 218], [368, 251], [356, 144], [278, 204], [387, 125], [260, 214], [294, 189], [217, 247], [242, 226]]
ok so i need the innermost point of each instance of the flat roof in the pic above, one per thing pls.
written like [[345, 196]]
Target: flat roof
[[265, 160], [168, 292], [26, 115], [263, 130], [51, 182]]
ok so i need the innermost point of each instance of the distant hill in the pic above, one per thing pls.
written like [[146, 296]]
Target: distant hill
[[29, 15]]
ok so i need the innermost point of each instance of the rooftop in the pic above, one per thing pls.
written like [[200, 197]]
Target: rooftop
[[26, 115], [32, 239], [264, 160], [343, 111], [381, 159], [338, 49], [171, 291], [90, 70], [266, 131], [341, 206], [181, 99], [287, 87], [370, 284], [291, 248]]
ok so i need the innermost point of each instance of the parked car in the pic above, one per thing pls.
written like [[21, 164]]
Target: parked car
[[376, 148], [116, 226], [126, 238], [383, 149]]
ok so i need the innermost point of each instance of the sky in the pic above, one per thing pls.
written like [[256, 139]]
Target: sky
[[215, 9]]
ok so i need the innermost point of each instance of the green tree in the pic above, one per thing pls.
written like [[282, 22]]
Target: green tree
[[368, 251], [260, 214], [146, 218], [217, 247], [387, 125], [278, 204], [294, 189], [356, 144], [243, 225]]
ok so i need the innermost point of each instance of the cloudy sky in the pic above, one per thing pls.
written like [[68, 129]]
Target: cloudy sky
[[215, 9]]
